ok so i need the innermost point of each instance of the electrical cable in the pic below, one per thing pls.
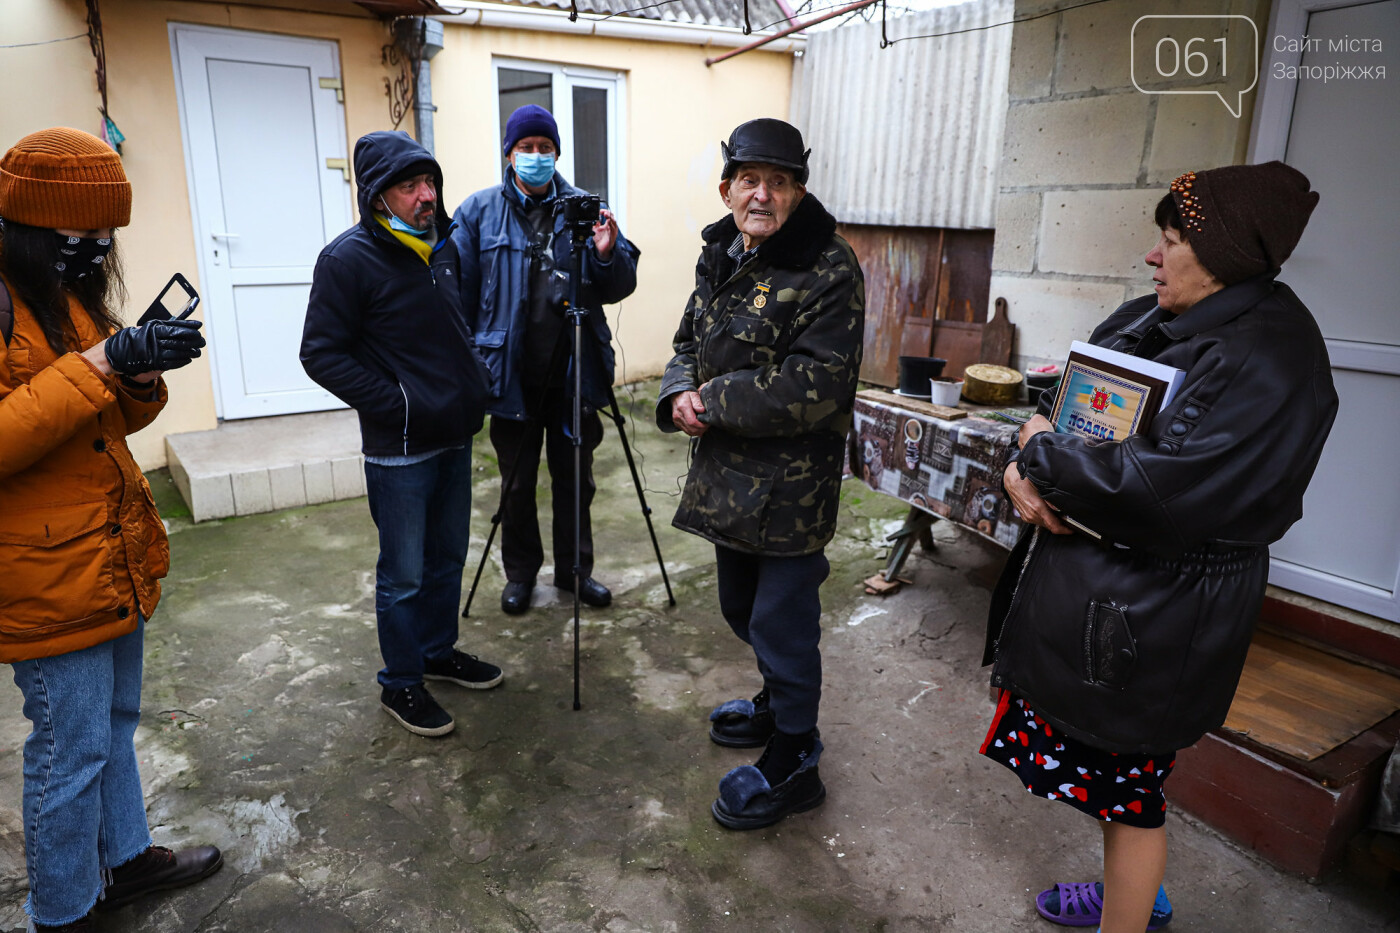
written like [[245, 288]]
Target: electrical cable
[[25, 45], [1009, 22]]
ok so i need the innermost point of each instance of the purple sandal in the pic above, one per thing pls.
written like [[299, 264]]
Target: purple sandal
[[1080, 904]]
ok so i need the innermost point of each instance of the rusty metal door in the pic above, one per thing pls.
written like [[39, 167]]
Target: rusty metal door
[[915, 276]]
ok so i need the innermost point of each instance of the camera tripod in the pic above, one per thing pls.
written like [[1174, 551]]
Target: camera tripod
[[575, 312]]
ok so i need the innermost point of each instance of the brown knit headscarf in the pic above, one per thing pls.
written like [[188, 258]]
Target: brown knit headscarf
[[64, 179], [1244, 220]]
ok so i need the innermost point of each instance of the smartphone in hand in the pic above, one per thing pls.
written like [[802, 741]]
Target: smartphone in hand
[[172, 302]]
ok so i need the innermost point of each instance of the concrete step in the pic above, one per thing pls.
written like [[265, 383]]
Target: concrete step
[[264, 464]]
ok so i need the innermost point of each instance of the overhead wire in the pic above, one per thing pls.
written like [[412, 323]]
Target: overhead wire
[[809, 6], [1010, 22], [25, 45]]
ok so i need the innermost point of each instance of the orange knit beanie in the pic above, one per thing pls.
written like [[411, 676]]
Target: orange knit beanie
[[64, 178]]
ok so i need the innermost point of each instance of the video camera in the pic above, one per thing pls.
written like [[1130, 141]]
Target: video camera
[[581, 212]]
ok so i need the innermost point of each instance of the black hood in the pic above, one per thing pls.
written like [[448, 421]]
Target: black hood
[[798, 242], [378, 158]]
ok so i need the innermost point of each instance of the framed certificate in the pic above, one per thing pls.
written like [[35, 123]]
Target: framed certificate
[[1106, 395]]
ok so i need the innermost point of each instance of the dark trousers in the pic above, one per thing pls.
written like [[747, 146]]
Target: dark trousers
[[773, 605], [422, 512], [522, 551]]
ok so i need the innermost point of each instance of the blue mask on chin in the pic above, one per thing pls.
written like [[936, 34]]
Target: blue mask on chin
[[533, 168], [401, 227]]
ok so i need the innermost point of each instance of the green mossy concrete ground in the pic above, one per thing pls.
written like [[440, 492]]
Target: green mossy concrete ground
[[262, 733]]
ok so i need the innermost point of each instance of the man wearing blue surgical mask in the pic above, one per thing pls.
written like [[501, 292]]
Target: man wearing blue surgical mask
[[514, 282]]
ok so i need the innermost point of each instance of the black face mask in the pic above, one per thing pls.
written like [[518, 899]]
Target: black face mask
[[80, 256]]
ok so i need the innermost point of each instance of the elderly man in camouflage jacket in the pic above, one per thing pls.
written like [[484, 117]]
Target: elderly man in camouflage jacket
[[763, 381]]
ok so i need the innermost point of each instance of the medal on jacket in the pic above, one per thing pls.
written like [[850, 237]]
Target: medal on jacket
[[762, 298]]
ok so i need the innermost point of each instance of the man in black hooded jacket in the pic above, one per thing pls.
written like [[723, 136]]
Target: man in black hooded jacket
[[385, 334]]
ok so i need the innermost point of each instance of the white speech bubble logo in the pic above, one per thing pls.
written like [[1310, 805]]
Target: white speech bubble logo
[[1185, 55]]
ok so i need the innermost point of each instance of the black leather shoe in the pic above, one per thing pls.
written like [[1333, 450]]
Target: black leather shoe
[[81, 925], [746, 801], [590, 591], [515, 598], [159, 869], [743, 723]]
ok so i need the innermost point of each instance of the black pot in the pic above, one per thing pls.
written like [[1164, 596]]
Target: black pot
[[916, 371]]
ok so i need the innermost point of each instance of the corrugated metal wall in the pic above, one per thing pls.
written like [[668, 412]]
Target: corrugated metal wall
[[909, 135]]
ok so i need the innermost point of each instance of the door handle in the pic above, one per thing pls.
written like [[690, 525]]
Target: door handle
[[221, 235], [342, 164]]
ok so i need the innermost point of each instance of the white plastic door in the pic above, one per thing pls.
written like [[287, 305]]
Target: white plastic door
[[263, 142], [1343, 135]]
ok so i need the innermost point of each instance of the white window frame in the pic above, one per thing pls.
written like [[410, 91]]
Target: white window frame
[[564, 78]]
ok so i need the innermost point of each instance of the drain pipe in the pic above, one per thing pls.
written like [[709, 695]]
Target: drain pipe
[[423, 108]]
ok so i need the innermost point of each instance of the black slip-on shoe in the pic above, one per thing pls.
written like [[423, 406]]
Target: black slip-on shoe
[[416, 710], [157, 869], [747, 802], [743, 723], [515, 598], [590, 591], [464, 670]]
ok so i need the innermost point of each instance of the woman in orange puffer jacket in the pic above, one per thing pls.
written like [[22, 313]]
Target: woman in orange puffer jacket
[[82, 548]]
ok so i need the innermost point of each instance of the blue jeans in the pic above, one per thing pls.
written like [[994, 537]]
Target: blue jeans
[[422, 512], [83, 808], [773, 604]]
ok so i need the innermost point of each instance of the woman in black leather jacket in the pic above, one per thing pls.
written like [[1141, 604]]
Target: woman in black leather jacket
[[1113, 653]]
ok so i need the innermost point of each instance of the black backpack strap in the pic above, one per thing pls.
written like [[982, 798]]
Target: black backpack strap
[[7, 314]]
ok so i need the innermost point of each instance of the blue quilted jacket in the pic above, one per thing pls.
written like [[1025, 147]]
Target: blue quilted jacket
[[492, 237]]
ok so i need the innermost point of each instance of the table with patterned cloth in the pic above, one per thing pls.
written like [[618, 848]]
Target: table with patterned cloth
[[943, 468]]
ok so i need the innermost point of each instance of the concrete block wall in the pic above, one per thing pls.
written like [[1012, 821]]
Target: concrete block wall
[[1086, 156]]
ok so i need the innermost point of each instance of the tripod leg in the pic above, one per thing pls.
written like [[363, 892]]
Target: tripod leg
[[577, 316], [495, 524], [616, 415]]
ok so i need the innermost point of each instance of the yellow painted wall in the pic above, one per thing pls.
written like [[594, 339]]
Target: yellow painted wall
[[64, 70], [141, 99], [677, 111]]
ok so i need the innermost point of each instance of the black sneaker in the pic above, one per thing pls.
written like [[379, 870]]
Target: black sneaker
[[416, 710], [464, 670]]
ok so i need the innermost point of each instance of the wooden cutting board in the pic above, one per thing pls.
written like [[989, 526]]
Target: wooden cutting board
[[997, 337], [941, 412], [958, 342]]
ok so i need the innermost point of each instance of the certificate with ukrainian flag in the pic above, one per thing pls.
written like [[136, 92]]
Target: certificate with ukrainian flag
[[1106, 395]]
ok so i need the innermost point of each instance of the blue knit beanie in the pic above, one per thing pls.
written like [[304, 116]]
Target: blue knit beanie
[[530, 120]]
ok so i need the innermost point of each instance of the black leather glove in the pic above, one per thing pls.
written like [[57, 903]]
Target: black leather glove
[[155, 345]]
